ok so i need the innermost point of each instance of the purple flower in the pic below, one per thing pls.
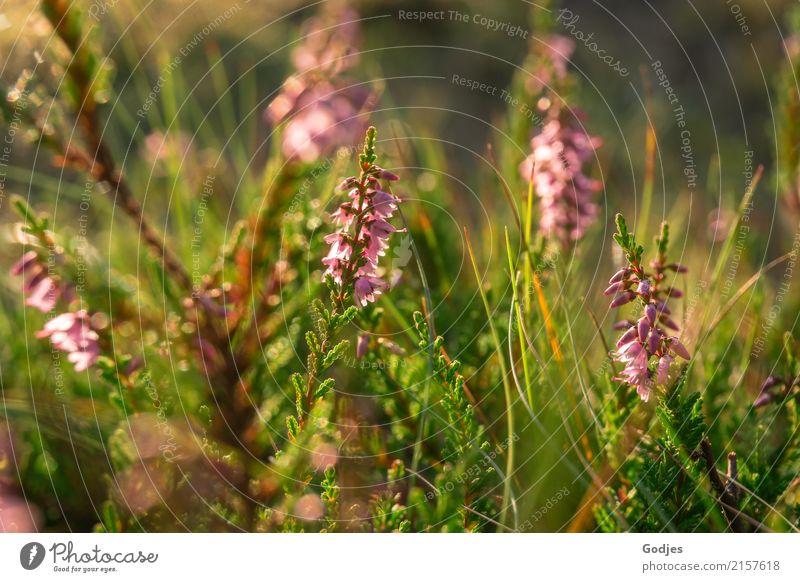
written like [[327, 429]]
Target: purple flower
[[363, 232], [678, 348], [663, 369], [566, 194], [770, 390], [320, 109], [362, 345], [548, 63], [623, 299], [367, 288], [28, 260], [42, 291], [43, 294], [72, 333], [636, 373], [645, 349]]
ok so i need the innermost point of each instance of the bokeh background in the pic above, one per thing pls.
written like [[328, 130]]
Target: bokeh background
[[722, 60]]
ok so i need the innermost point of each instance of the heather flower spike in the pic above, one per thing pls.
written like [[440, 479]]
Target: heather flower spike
[[319, 107], [72, 333], [566, 194], [41, 290], [363, 232], [645, 348], [68, 332]]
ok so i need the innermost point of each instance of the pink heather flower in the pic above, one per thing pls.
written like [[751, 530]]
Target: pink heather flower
[[323, 117], [566, 195], [159, 146], [645, 349], [41, 290], [362, 346], [363, 232], [72, 333], [548, 63], [367, 288], [320, 108], [330, 41], [344, 215], [774, 388], [27, 261], [662, 372], [43, 295], [636, 374]]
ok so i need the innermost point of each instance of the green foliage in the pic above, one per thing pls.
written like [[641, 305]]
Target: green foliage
[[228, 394], [330, 497], [627, 242]]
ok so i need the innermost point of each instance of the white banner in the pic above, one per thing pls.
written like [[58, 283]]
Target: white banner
[[396, 557]]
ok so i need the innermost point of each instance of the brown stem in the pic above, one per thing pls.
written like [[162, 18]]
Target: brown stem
[[101, 164], [725, 495], [103, 168]]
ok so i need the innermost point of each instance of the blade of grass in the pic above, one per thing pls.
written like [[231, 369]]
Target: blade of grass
[[522, 351], [729, 240], [527, 238], [650, 160], [506, 385]]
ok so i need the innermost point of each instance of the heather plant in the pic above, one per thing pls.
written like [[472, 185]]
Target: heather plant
[[299, 320], [646, 349]]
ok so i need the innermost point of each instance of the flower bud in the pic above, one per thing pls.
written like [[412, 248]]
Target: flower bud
[[679, 349], [623, 299], [643, 328]]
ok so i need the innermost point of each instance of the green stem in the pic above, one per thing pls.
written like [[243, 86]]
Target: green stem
[[518, 313], [506, 386]]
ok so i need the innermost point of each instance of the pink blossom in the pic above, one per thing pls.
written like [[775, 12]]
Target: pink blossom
[[773, 388], [28, 260], [321, 109], [636, 372], [43, 295], [566, 195], [344, 215], [367, 288], [662, 373], [362, 345], [548, 63], [42, 291], [72, 333], [645, 349], [362, 237]]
